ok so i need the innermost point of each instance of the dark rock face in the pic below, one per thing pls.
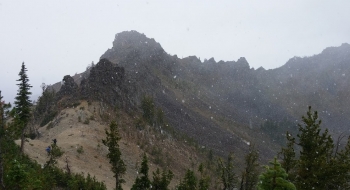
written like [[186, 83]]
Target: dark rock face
[[107, 83], [69, 92], [69, 87], [128, 45]]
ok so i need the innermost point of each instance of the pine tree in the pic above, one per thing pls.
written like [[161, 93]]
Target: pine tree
[[54, 154], [250, 174], [338, 171], [275, 178], [204, 181], [319, 165], [2, 114], [160, 117], [315, 152], [189, 182], [161, 181], [2, 126], [227, 175], [148, 109], [142, 183], [23, 104], [289, 161], [114, 154]]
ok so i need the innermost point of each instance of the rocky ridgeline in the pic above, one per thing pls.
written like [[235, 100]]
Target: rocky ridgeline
[[205, 99], [105, 83]]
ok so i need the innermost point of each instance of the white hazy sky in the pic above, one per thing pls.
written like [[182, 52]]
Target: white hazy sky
[[56, 38]]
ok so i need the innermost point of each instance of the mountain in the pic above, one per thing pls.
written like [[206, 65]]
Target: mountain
[[224, 106]]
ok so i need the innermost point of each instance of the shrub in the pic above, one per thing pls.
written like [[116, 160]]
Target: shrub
[[80, 150], [76, 104], [87, 121]]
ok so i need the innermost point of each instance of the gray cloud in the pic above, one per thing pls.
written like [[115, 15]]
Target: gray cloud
[[63, 37]]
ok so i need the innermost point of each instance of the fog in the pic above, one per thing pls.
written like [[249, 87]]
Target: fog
[[62, 37]]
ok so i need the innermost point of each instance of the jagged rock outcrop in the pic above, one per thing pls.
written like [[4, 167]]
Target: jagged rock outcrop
[[107, 83], [69, 87]]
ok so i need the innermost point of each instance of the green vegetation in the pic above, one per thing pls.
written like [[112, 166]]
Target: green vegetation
[[18, 171], [22, 104], [189, 182], [275, 177], [228, 177], [54, 154], [2, 136], [309, 160], [22, 173], [161, 181], [114, 154], [87, 121], [204, 181], [250, 174], [80, 150], [143, 182], [319, 164], [148, 109]]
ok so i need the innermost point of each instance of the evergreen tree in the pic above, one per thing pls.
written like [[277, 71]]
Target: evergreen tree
[[227, 175], [54, 154], [204, 181], [142, 183], [250, 174], [3, 138], [160, 117], [148, 109], [2, 113], [2, 126], [275, 178], [114, 154], [315, 151], [23, 103], [289, 161], [338, 169], [189, 182], [320, 165], [161, 181]]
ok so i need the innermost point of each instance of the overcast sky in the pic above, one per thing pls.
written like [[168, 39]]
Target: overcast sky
[[56, 38]]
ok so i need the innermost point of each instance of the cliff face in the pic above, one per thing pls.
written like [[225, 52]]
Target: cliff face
[[107, 83]]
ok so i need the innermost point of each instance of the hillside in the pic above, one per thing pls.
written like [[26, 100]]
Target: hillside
[[79, 132], [223, 106], [210, 95]]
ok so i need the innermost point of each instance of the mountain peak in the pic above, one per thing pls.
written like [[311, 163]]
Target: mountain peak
[[131, 43], [134, 38]]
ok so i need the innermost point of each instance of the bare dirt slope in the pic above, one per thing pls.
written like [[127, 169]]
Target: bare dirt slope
[[73, 133]]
